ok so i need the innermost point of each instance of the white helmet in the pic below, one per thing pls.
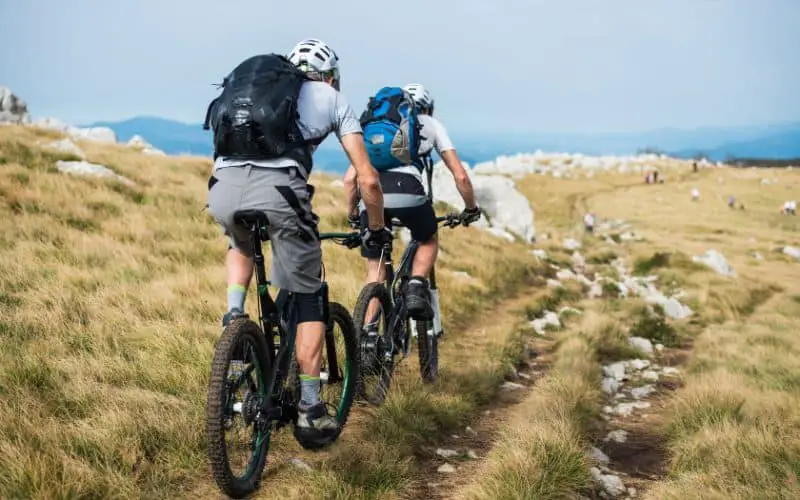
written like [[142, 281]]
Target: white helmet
[[422, 97], [315, 58]]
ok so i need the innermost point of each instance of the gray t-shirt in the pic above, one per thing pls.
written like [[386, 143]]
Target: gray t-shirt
[[322, 110]]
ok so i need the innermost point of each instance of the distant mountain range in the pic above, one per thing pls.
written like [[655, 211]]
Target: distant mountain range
[[777, 141]]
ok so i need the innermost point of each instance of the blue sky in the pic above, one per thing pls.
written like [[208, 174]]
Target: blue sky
[[524, 65]]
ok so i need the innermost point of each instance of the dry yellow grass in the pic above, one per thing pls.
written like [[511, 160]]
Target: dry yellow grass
[[732, 431], [110, 301]]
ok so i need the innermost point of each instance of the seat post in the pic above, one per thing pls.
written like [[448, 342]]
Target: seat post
[[258, 258]]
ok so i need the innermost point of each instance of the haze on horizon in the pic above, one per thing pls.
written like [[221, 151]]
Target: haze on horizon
[[524, 66]]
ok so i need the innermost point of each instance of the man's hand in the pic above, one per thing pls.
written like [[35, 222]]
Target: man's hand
[[470, 215], [376, 238]]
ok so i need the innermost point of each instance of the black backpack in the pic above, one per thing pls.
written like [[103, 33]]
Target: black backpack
[[255, 116]]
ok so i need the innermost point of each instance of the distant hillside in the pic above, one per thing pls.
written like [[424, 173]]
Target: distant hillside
[[777, 141], [784, 145]]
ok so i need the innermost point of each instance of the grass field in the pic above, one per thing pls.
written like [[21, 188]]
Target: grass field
[[111, 297]]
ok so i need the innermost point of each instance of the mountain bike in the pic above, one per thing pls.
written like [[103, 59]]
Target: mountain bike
[[384, 327], [255, 377]]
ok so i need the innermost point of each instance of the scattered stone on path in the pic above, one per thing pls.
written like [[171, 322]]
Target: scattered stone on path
[[641, 344], [758, 256], [512, 386], [571, 244], [595, 291], [551, 283], [615, 370], [670, 370], [792, 252], [716, 261], [618, 436], [472, 455], [565, 274], [523, 375], [642, 392], [446, 469], [650, 375], [675, 310], [578, 262], [540, 253], [611, 484], [626, 409], [598, 455], [610, 385], [299, 464], [471, 431], [637, 364], [659, 347], [444, 453]]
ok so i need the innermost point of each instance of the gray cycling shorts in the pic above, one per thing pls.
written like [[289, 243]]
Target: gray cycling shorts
[[285, 197]]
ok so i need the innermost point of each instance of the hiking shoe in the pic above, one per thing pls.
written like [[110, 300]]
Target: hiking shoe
[[315, 428], [232, 315], [418, 299]]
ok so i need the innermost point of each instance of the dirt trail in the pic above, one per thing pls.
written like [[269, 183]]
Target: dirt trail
[[480, 434]]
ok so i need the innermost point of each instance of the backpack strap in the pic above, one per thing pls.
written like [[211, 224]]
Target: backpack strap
[[207, 122]]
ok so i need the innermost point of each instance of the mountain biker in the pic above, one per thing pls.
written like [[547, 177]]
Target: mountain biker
[[404, 198], [278, 187]]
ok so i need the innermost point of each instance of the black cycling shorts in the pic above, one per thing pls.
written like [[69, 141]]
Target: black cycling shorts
[[420, 220]]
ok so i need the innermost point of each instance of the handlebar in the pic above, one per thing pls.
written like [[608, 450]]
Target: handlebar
[[353, 238], [349, 240]]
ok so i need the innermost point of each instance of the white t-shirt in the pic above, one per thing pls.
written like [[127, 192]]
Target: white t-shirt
[[322, 110]]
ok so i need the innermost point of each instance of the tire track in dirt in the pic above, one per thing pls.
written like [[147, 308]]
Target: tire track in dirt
[[480, 434]]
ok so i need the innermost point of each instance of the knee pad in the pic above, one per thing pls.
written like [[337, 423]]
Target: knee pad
[[308, 306]]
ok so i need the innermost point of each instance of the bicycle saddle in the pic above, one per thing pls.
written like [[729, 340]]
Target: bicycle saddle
[[250, 217]]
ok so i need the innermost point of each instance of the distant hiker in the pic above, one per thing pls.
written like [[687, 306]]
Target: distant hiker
[[789, 208], [695, 194], [655, 176], [731, 201], [694, 167], [588, 222]]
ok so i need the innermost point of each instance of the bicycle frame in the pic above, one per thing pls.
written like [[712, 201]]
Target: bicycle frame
[[272, 314]]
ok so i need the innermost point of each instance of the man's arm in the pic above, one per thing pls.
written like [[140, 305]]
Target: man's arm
[[351, 190], [367, 177], [463, 184]]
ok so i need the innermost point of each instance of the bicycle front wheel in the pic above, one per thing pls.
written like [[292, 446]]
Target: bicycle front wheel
[[371, 318], [340, 362], [238, 434], [428, 345]]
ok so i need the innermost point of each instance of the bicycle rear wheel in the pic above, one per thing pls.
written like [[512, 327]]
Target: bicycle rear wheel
[[428, 345], [237, 391], [371, 317]]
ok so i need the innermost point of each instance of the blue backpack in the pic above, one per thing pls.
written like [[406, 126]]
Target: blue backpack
[[391, 129]]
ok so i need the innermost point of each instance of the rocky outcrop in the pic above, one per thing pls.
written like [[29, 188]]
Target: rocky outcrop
[[67, 146], [91, 169], [137, 141], [568, 165], [12, 108], [96, 134], [507, 212]]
